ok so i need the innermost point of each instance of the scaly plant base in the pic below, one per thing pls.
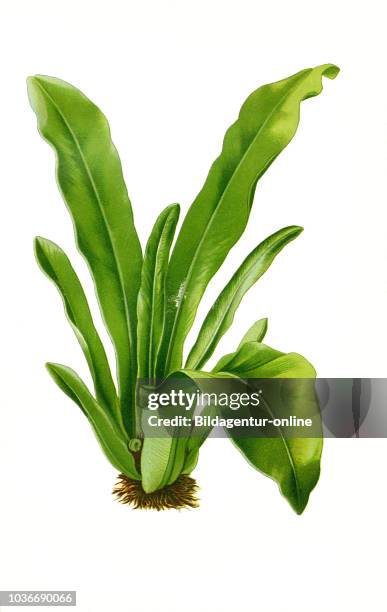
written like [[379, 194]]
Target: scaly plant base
[[179, 495]]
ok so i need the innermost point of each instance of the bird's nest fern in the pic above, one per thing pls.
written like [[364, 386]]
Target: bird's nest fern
[[148, 303]]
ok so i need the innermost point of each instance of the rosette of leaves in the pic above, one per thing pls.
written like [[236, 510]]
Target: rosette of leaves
[[148, 303]]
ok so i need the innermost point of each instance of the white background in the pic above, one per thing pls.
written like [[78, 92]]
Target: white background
[[171, 76]]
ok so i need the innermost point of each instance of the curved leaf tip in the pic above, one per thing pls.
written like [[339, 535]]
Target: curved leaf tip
[[331, 71]]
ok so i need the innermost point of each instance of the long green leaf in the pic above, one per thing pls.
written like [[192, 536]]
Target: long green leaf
[[90, 178], [221, 315], [267, 122], [151, 298], [294, 463], [56, 265], [110, 438]]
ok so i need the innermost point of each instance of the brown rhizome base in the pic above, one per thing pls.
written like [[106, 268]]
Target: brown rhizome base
[[179, 495]]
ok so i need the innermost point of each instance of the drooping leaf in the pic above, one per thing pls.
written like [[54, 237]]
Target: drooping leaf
[[267, 122], [56, 265], [294, 463], [109, 436], [256, 333], [220, 317], [90, 178], [151, 298]]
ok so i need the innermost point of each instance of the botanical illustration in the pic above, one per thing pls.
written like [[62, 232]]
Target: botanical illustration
[[149, 300]]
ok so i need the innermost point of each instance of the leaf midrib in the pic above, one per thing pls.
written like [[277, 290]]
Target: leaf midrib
[[290, 457]]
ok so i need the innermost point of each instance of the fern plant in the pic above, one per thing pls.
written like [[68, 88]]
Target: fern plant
[[148, 303]]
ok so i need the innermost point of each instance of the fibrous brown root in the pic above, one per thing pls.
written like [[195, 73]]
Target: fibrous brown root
[[181, 494]]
